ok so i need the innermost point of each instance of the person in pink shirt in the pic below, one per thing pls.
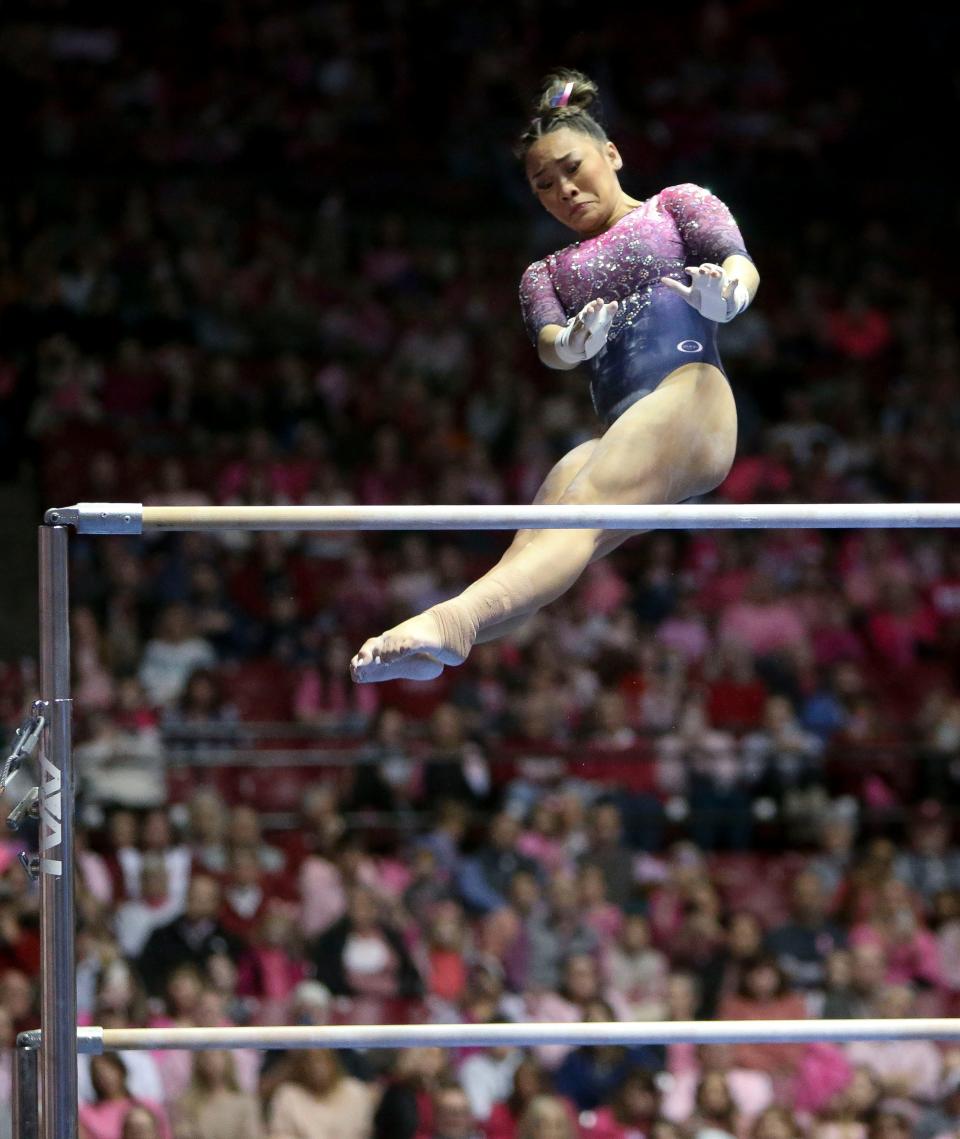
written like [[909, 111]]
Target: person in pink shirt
[[271, 969], [763, 622], [638, 297], [751, 1092], [104, 1119], [895, 924], [905, 1069], [599, 913], [901, 626]]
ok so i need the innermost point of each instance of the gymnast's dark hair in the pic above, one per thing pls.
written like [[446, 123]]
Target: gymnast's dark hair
[[576, 114]]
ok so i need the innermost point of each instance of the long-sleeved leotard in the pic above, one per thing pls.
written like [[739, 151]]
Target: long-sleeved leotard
[[654, 330]]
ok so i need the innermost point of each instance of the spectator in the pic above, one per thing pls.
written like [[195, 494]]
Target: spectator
[[319, 1101], [485, 876], [243, 832], [632, 1108], [455, 767], [405, 1108], [803, 944], [750, 1092], [723, 973], [153, 907], [387, 783], [930, 863], [590, 1074], [206, 830], [542, 838], [840, 999], [556, 935], [428, 889], [119, 767], [531, 1084], [487, 1078], [269, 973], [196, 935], [545, 1117], [846, 1114], [156, 841], [362, 957], [715, 1108], [606, 851], [786, 764], [214, 1107], [637, 971], [942, 1115], [869, 970], [246, 892], [172, 655], [452, 1118], [144, 1079], [911, 950], [104, 1117], [140, 1123], [765, 994], [905, 1069], [777, 1122], [835, 856]]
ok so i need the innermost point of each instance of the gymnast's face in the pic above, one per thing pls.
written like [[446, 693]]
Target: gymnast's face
[[575, 177]]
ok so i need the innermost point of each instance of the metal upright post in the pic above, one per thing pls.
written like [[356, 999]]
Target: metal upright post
[[58, 1010], [26, 1099]]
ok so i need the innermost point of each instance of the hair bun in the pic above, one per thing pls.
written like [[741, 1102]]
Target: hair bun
[[575, 111], [583, 95]]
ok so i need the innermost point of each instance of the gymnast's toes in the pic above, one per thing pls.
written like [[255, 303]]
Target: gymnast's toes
[[368, 655]]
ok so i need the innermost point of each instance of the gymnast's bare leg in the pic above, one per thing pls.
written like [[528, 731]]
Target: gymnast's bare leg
[[675, 443]]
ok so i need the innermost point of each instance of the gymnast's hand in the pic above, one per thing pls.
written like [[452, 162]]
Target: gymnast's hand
[[585, 334], [712, 293]]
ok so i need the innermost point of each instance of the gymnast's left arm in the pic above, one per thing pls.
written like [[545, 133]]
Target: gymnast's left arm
[[723, 277], [736, 267]]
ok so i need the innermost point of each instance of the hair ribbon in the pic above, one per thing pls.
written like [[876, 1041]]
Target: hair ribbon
[[563, 98]]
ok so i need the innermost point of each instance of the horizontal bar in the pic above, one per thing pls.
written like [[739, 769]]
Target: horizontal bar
[[528, 1035], [97, 517]]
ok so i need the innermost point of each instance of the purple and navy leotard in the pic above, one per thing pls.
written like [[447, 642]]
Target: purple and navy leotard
[[654, 330]]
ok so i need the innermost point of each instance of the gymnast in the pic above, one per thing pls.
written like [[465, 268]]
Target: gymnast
[[637, 298]]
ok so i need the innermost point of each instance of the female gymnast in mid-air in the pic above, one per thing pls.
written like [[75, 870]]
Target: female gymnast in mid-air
[[638, 298]]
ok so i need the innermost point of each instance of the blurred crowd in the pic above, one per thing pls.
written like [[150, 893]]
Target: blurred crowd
[[274, 259]]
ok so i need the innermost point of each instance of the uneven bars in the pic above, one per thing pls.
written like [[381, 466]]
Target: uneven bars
[[134, 518], [525, 1035]]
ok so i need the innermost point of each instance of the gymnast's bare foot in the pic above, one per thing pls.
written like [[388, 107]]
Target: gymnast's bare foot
[[413, 650]]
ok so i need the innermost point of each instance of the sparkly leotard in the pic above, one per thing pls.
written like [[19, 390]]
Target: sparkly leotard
[[654, 330]]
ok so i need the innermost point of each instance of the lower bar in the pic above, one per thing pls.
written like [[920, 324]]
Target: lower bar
[[132, 518], [526, 1035], [804, 515]]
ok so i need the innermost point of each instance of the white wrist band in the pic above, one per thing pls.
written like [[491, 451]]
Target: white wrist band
[[596, 325], [741, 298], [562, 345]]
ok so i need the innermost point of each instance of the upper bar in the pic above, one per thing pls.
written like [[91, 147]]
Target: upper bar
[[132, 518], [524, 1035]]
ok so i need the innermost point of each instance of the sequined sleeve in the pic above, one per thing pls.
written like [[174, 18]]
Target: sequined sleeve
[[706, 225], [539, 302]]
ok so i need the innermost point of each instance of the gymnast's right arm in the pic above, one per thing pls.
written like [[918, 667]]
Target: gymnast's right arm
[[565, 346], [546, 350], [561, 343]]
